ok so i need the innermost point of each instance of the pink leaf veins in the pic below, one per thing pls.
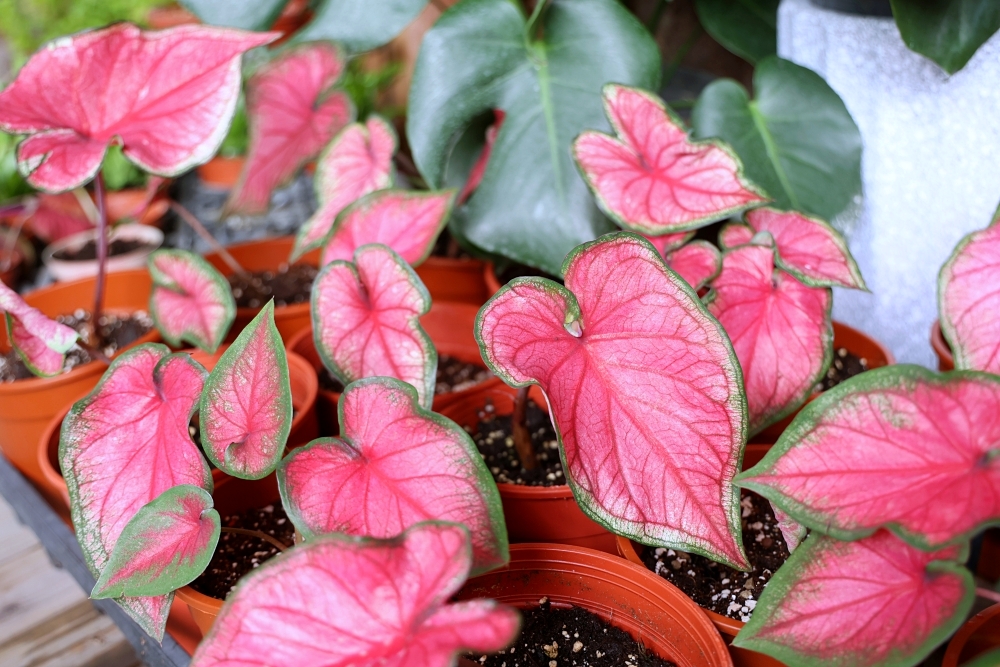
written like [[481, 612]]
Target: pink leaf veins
[[735, 234], [40, 342], [697, 262]]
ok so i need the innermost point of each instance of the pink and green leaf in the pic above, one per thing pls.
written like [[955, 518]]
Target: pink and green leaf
[[246, 407], [876, 601], [167, 96], [366, 320], [781, 330], [969, 301], [808, 248], [394, 465], [651, 177], [293, 113], [191, 301], [644, 389], [664, 243], [357, 162], [349, 602], [735, 234], [697, 262], [123, 445], [899, 447], [792, 531], [166, 545], [406, 221], [40, 342]]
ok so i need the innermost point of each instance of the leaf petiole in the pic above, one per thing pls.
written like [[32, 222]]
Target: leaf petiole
[[522, 436]]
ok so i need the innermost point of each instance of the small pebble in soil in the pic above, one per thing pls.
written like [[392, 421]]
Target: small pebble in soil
[[717, 587], [452, 375], [570, 636], [845, 365], [495, 440], [287, 286]]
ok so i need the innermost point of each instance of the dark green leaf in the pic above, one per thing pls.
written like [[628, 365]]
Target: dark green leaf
[[532, 205], [246, 14], [796, 138], [748, 28], [946, 31], [360, 26]]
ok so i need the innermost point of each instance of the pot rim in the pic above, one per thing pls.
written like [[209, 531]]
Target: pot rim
[[940, 343], [152, 236], [961, 637]]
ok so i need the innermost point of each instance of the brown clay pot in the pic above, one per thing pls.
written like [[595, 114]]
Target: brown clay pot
[[980, 634], [27, 406], [450, 279], [123, 204], [533, 513], [490, 278], [628, 596], [946, 361], [221, 172]]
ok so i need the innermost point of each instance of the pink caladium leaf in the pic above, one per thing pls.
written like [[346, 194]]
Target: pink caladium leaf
[[125, 444], [877, 601], [191, 301], [246, 407], [697, 262], [293, 113], [792, 531], [40, 342], [406, 221], [899, 447], [166, 96], [357, 162], [667, 242], [644, 389], [808, 248], [166, 545], [366, 320], [735, 234], [479, 167], [394, 465], [969, 300], [652, 178], [780, 328], [351, 602]]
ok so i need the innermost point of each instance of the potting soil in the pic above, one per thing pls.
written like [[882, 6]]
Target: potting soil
[[88, 252], [287, 286], [494, 438], [845, 365], [452, 375]]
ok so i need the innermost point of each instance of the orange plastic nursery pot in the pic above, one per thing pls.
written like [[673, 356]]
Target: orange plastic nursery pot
[[27, 406], [449, 279], [980, 634], [124, 204], [221, 172], [946, 361], [533, 513], [629, 597]]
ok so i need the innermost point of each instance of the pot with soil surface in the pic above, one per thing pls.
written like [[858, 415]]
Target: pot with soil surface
[[75, 256], [569, 595], [28, 403], [452, 275]]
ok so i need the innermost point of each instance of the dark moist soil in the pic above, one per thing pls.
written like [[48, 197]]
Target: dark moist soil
[[115, 332], [845, 366], [512, 271], [287, 286], [237, 555], [452, 375], [564, 637], [89, 250], [493, 436], [720, 588]]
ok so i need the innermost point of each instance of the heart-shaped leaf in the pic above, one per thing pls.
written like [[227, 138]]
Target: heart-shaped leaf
[[40, 342], [899, 447], [949, 33], [748, 28], [664, 243], [358, 161], [781, 331], [166, 96], [125, 444], [969, 300], [246, 407], [351, 602], [735, 234], [366, 320], [406, 221], [57, 217], [293, 113], [651, 178], [394, 465], [546, 75], [796, 138], [877, 601], [166, 545], [697, 262], [644, 389], [808, 248], [360, 26], [191, 301]]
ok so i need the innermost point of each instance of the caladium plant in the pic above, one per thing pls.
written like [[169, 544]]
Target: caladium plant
[[697, 262], [644, 389], [394, 465], [40, 342], [352, 601]]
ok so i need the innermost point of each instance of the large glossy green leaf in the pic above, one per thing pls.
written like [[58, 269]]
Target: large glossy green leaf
[[245, 14], [947, 31], [748, 28], [360, 26], [796, 138], [546, 75]]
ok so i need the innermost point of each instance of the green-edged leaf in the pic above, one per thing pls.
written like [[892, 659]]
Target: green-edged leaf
[[546, 76], [796, 138], [748, 28], [166, 545], [988, 659], [190, 301], [360, 25], [947, 31], [246, 14]]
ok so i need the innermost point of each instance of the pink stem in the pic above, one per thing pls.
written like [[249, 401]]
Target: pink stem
[[102, 253], [199, 229], [988, 594]]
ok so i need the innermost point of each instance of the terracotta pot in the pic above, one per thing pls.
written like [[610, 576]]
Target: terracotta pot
[[454, 280], [490, 278], [221, 172], [27, 406], [980, 634], [627, 596], [727, 627], [126, 203], [533, 513], [946, 361], [267, 255], [74, 269]]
